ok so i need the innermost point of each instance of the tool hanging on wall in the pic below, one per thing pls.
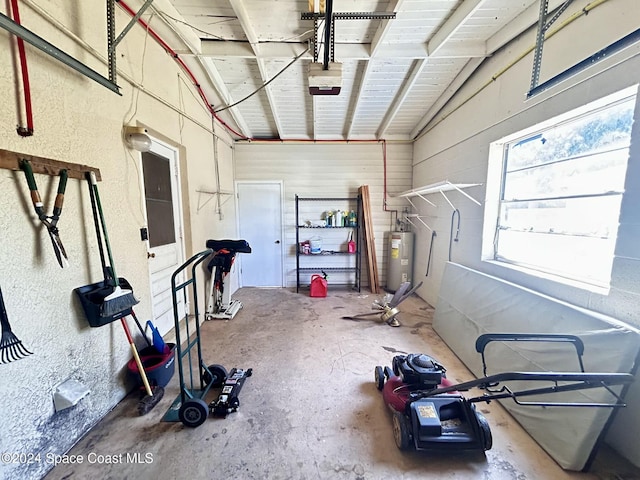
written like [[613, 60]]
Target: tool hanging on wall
[[11, 347], [49, 221], [125, 302], [119, 299]]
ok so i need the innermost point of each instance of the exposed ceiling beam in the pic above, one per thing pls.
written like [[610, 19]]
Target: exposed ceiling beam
[[459, 17], [417, 51], [243, 17], [434, 46], [378, 40], [192, 42], [402, 95], [344, 51], [165, 9], [445, 96], [276, 50], [383, 28], [223, 91], [518, 25], [354, 106]]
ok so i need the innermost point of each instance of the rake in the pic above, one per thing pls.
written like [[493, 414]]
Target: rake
[[11, 347]]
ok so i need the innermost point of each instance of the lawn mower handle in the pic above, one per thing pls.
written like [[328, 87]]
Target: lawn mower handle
[[580, 381], [483, 340]]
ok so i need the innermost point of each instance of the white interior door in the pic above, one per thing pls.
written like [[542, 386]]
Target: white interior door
[[260, 223], [164, 226]]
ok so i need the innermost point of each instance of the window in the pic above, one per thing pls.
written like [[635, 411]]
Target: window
[[561, 189]]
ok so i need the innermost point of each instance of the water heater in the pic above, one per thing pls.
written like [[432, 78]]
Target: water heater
[[400, 266]]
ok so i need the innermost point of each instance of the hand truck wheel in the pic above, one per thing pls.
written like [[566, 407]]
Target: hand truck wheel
[[217, 376], [193, 412]]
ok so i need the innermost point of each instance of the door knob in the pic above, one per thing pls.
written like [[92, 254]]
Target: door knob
[[151, 255], [277, 241]]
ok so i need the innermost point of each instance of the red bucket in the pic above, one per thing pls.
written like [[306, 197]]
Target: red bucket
[[318, 286]]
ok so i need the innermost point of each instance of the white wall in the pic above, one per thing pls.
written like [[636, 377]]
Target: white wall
[[456, 147], [77, 120], [330, 170]]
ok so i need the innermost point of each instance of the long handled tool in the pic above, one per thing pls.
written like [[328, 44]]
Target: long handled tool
[[49, 221], [119, 299], [10, 347], [155, 394]]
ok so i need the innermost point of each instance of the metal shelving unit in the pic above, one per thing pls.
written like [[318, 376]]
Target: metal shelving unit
[[318, 266]]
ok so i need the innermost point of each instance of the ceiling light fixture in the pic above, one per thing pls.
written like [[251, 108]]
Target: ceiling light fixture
[[137, 138]]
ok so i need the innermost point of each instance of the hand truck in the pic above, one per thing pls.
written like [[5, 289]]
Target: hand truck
[[190, 406]]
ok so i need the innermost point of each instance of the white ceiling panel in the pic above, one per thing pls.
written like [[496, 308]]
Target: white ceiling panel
[[395, 73]]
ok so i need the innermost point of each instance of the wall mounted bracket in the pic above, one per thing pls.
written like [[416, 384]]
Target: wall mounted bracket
[[11, 161], [440, 187], [543, 26], [41, 44], [113, 42]]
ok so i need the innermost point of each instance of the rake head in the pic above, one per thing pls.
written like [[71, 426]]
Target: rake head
[[11, 348]]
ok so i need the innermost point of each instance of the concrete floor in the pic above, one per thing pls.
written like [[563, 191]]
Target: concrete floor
[[311, 409]]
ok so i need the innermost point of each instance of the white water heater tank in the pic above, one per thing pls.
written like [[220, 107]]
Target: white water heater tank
[[400, 266]]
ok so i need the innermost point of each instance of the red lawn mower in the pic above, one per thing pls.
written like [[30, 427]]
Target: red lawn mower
[[430, 413]]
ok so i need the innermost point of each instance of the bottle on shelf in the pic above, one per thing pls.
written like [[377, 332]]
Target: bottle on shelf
[[352, 218], [329, 218], [337, 218]]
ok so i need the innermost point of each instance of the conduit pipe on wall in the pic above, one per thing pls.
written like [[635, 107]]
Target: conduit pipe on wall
[[384, 195], [183, 65], [22, 130]]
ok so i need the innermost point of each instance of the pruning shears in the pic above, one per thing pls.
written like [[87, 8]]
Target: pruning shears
[[49, 221]]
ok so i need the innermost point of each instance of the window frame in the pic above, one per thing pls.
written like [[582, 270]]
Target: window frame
[[496, 178]]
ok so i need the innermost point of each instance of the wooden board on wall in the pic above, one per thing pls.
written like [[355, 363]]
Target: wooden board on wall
[[369, 239], [11, 160]]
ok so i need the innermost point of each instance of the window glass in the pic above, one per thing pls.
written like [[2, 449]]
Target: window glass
[[562, 188]]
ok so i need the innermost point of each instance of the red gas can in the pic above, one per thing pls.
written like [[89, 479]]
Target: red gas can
[[318, 286]]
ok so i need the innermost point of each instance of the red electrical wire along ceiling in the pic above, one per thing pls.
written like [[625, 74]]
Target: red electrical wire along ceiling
[[188, 71]]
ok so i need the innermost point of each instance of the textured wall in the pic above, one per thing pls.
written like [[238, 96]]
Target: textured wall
[[456, 147], [79, 121]]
